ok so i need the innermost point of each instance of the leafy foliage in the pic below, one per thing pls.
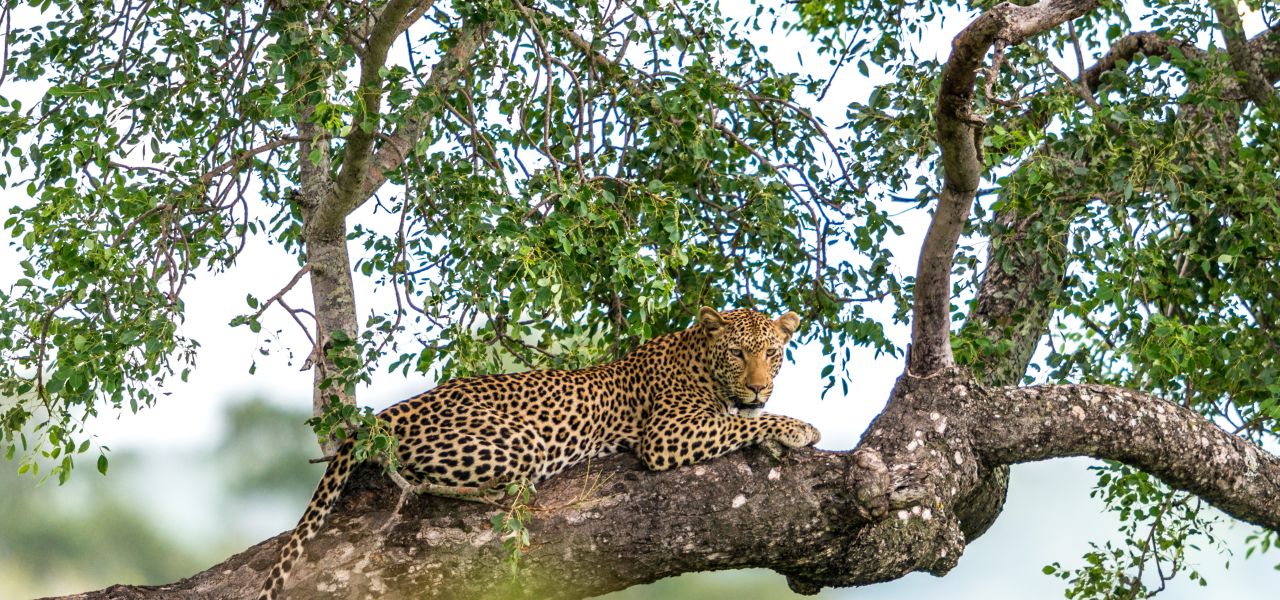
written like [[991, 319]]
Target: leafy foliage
[[599, 173], [1159, 527], [512, 525], [370, 436]]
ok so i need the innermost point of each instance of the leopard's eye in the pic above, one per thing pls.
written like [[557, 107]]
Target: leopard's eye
[[774, 352], [737, 353]]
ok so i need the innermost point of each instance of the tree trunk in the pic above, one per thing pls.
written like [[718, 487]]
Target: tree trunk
[[335, 304]]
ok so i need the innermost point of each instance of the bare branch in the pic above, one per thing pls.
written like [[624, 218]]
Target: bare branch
[[284, 290], [124, 167], [239, 160]]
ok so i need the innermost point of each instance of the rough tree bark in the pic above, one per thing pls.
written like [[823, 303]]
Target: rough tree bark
[[928, 476]]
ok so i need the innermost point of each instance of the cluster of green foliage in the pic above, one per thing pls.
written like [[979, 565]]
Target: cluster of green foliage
[[512, 525], [1159, 527], [370, 437]]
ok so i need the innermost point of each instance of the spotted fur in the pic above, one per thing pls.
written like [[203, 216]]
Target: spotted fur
[[676, 400]]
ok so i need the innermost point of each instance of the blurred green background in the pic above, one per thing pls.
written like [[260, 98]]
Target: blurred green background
[[157, 516]]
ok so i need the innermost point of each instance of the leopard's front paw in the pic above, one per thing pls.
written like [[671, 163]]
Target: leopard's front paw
[[798, 434]]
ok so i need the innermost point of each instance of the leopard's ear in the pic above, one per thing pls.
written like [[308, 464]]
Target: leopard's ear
[[788, 323], [710, 320]]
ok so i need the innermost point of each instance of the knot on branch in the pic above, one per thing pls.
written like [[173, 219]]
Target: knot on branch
[[908, 487], [879, 489], [871, 484], [919, 539]]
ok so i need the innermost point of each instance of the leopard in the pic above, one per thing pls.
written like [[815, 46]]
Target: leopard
[[678, 399]]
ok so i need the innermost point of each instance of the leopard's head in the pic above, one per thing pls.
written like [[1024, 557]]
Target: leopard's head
[[744, 353]]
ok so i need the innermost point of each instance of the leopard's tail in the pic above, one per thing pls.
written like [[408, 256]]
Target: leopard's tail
[[326, 494]]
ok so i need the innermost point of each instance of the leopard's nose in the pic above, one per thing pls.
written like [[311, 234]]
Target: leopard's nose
[[756, 387]]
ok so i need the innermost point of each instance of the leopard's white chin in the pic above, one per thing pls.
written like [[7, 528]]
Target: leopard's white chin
[[749, 413]]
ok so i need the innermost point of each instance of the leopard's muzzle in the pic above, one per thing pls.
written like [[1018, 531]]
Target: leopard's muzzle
[[749, 410]]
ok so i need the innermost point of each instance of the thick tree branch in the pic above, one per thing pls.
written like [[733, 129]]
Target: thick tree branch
[[1169, 441], [333, 295], [327, 259], [893, 507], [325, 202], [1266, 46], [1023, 278], [358, 33], [1027, 254], [600, 528], [1024, 270], [1146, 43]]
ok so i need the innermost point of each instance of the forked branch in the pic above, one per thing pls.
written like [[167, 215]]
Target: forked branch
[[397, 145], [960, 139]]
